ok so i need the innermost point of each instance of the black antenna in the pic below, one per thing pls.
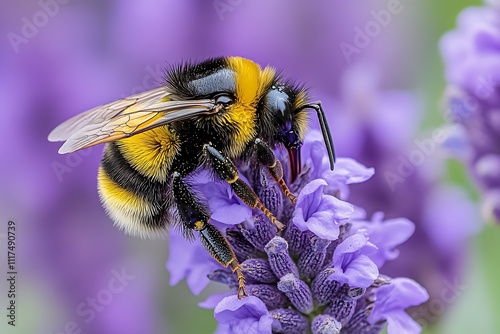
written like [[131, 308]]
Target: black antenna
[[324, 129]]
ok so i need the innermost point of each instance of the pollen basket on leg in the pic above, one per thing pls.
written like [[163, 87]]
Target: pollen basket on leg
[[151, 153]]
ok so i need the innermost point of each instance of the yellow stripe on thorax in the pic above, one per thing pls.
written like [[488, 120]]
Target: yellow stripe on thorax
[[250, 82]]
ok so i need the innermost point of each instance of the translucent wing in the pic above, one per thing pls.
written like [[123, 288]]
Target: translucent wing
[[64, 130], [126, 117]]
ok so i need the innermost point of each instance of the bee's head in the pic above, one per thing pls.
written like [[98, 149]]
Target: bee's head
[[286, 120], [278, 102], [286, 123]]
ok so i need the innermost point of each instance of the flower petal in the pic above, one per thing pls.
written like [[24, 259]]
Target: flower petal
[[191, 261], [386, 236], [401, 322], [350, 171], [248, 315], [351, 265], [393, 299], [212, 301], [360, 272], [319, 213]]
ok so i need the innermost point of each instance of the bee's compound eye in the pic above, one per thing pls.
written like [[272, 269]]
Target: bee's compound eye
[[224, 99]]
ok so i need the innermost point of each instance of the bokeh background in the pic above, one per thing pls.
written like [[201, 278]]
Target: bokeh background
[[86, 53]]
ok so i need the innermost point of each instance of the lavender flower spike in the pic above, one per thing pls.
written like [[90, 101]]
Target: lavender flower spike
[[321, 274]]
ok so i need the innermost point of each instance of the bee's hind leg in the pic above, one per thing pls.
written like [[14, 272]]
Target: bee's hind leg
[[227, 171], [196, 217]]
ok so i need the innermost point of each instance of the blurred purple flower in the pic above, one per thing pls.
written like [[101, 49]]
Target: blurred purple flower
[[192, 263], [400, 230], [472, 59], [318, 275], [51, 78]]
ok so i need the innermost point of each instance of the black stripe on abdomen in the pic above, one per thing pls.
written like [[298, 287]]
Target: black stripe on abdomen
[[124, 176], [120, 171]]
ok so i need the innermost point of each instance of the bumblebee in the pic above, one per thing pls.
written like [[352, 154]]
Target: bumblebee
[[214, 114]]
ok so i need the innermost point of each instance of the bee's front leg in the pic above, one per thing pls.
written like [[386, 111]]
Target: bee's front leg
[[227, 171], [266, 157], [195, 216]]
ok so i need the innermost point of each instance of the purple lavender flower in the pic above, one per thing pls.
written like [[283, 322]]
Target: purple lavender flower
[[472, 59], [320, 275], [251, 316], [321, 214], [392, 299]]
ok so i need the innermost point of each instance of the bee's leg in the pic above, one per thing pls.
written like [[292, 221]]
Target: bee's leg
[[267, 158], [227, 171], [195, 217]]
